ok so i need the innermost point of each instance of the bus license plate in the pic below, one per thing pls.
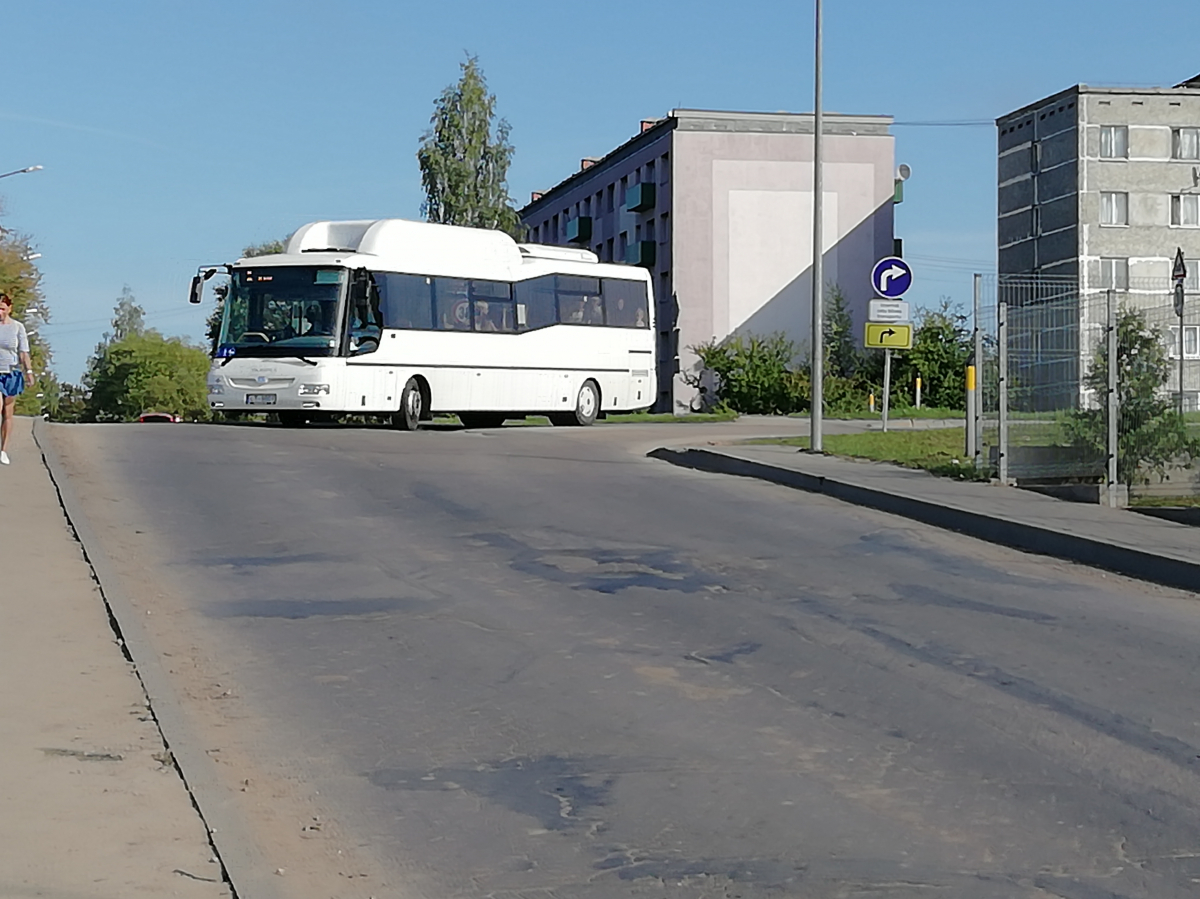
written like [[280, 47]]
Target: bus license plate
[[260, 399]]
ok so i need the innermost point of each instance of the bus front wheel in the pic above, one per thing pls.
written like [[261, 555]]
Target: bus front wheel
[[587, 407], [412, 407]]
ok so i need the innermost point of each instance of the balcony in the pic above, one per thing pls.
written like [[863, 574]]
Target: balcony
[[579, 229], [641, 252], [640, 197]]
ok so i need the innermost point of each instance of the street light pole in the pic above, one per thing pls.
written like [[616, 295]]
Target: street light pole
[[817, 365], [32, 168]]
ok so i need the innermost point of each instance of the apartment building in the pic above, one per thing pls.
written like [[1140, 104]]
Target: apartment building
[[1101, 184], [718, 205], [1098, 187]]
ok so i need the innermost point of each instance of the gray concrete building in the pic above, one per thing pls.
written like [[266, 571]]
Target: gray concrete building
[[1097, 188], [719, 206]]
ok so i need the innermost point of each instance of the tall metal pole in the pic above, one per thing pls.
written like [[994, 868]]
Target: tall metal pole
[[1002, 329], [887, 385], [1112, 408], [975, 451], [818, 277]]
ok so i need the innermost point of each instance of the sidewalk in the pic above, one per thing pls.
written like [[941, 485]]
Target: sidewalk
[[93, 806], [1118, 540]]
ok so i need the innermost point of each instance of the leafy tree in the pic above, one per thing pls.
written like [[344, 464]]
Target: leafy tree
[[135, 369], [212, 326], [21, 280], [941, 348], [464, 158], [757, 375], [148, 371], [1150, 430], [842, 356]]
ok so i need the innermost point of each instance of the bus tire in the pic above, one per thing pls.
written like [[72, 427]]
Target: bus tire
[[293, 419], [482, 419], [587, 407], [412, 407]]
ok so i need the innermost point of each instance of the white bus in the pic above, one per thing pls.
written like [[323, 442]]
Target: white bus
[[406, 319]]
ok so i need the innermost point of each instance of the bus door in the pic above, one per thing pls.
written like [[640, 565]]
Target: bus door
[[370, 386]]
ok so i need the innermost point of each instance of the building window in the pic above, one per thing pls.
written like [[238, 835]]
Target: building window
[[1114, 274], [1114, 208], [1185, 143], [664, 168], [612, 189], [664, 227], [1191, 342], [1185, 210], [1114, 141], [1192, 282]]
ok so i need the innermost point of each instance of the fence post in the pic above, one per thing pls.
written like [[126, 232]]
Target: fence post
[[1113, 399], [975, 450], [1002, 337]]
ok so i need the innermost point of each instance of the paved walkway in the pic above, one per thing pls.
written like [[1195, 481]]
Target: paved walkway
[[1115, 539], [92, 804]]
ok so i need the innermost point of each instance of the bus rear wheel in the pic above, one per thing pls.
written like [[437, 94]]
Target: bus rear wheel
[[587, 407], [481, 419], [412, 407]]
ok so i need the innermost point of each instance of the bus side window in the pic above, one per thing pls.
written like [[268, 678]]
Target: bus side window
[[579, 301], [535, 303], [407, 300], [452, 304], [626, 303], [492, 302]]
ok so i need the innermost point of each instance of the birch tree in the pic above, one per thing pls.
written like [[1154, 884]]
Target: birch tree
[[464, 158]]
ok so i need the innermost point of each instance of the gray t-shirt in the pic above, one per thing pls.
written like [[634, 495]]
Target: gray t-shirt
[[13, 340]]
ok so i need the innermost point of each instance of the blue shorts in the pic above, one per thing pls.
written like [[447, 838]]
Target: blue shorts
[[12, 383]]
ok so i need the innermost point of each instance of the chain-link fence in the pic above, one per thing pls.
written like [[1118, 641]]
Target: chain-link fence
[[1050, 411]]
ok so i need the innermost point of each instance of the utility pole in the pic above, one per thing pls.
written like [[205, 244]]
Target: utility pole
[[1179, 276], [817, 365]]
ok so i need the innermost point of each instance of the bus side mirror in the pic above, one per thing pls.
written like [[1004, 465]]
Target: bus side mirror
[[194, 295]]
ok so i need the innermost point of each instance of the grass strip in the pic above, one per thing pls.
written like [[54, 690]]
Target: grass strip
[[939, 451]]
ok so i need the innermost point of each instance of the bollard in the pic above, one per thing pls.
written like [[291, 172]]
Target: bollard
[[918, 391], [972, 422], [871, 401]]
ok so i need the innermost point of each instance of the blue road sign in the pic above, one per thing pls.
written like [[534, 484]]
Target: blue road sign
[[891, 277]]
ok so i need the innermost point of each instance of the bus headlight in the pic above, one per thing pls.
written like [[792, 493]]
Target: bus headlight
[[313, 389], [215, 389]]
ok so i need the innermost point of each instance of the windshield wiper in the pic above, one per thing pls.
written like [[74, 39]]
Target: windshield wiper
[[301, 358]]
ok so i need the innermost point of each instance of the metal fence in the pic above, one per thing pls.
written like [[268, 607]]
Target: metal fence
[[1047, 403]]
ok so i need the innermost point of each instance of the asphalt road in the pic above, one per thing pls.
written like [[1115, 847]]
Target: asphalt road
[[533, 663]]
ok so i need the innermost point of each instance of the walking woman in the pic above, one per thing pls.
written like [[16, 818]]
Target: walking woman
[[14, 366]]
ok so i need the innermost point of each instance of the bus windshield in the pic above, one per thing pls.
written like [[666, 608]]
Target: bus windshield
[[282, 311]]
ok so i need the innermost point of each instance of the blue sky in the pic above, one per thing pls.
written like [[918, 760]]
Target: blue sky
[[175, 133]]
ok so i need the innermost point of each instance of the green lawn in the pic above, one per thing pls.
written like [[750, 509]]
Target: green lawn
[[906, 412], [939, 451]]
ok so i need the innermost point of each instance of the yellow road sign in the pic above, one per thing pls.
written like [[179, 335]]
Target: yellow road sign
[[888, 336]]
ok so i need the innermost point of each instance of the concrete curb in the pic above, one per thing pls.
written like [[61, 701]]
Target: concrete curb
[[246, 872], [1171, 571]]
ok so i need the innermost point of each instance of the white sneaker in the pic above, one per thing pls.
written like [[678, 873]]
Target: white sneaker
[[3, 458]]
